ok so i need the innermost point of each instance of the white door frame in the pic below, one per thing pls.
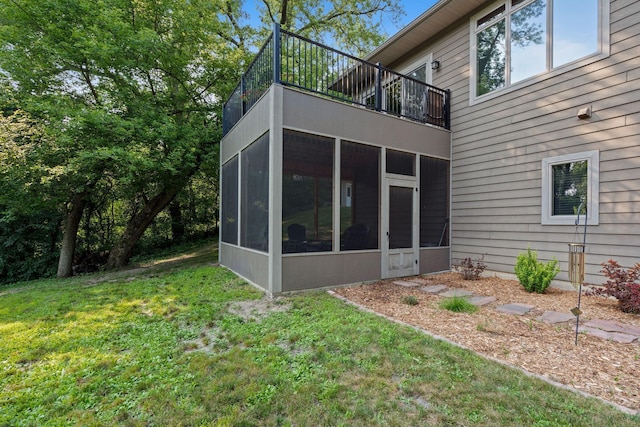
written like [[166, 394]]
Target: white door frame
[[400, 262]]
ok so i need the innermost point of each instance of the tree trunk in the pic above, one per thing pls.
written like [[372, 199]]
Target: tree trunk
[[69, 236], [177, 221], [121, 252], [284, 15]]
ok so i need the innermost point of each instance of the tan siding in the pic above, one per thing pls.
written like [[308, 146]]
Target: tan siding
[[623, 18], [498, 146], [618, 5]]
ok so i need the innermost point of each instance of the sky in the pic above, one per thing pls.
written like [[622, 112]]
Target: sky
[[412, 8]]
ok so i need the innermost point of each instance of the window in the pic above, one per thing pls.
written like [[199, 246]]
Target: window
[[415, 92], [419, 73], [307, 192], [434, 202], [401, 163], [360, 196], [520, 39], [570, 185], [229, 209], [254, 206]]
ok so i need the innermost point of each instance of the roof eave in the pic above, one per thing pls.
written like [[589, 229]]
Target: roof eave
[[426, 26]]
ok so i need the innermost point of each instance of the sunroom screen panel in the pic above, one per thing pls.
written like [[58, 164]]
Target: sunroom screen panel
[[307, 192]]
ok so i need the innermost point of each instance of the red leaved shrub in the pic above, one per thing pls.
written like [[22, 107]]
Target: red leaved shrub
[[621, 284]]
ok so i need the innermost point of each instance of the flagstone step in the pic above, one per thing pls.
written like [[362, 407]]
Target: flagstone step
[[613, 336], [406, 284], [555, 317], [515, 308], [433, 289], [456, 293], [610, 326], [481, 300]]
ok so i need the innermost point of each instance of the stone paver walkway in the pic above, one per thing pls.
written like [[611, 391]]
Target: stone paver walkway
[[605, 329]]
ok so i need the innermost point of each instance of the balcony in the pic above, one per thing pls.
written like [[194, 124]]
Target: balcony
[[294, 61]]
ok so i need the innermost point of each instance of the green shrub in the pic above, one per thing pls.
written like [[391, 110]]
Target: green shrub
[[458, 305], [533, 274], [410, 300]]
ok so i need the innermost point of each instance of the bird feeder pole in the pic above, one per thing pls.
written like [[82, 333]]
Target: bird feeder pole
[[576, 265]]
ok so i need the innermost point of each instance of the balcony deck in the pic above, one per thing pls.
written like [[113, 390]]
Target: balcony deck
[[297, 62]]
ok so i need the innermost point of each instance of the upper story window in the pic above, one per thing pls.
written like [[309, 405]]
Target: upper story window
[[516, 40]]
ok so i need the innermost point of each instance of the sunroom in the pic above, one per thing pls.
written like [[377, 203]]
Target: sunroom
[[334, 170]]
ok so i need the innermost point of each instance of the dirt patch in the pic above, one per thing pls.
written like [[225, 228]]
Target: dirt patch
[[596, 366], [258, 309], [212, 340], [209, 341]]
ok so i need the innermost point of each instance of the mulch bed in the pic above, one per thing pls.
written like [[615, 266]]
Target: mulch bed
[[599, 367]]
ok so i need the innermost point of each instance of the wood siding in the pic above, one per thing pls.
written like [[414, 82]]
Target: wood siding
[[499, 144]]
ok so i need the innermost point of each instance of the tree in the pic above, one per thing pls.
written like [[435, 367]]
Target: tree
[[127, 90], [354, 26], [29, 222]]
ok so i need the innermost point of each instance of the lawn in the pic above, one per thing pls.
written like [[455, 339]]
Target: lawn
[[166, 347]]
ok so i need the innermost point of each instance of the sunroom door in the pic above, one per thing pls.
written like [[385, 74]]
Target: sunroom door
[[400, 240]]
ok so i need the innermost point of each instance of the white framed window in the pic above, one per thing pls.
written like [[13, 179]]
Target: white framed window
[[420, 69], [518, 42], [570, 185]]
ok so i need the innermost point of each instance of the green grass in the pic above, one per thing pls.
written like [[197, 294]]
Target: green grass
[[458, 304], [163, 349]]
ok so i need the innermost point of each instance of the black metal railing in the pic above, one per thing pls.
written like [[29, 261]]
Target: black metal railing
[[295, 61]]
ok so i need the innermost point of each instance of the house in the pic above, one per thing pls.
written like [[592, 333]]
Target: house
[[503, 124]]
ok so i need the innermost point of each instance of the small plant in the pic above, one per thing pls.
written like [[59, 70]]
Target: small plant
[[529, 323], [486, 325], [470, 269], [410, 300], [621, 284], [458, 305], [534, 275]]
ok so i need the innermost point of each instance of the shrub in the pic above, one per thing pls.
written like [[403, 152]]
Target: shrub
[[533, 274], [469, 269], [458, 305], [410, 300], [622, 285]]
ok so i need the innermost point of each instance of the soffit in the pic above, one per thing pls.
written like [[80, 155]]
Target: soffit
[[428, 25]]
